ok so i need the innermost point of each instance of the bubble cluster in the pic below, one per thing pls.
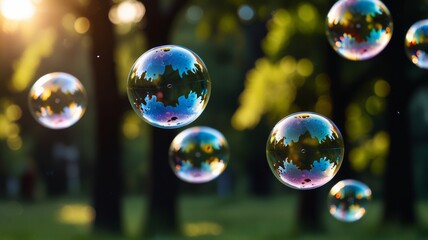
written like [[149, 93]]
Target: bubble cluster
[[57, 100], [169, 86], [348, 199], [198, 154], [416, 43], [359, 29], [305, 150]]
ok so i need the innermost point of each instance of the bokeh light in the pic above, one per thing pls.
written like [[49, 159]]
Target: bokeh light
[[199, 154], [194, 14], [416, 43], [57, 100], [246, 12], [381, 88], [199, 229], [76, 214], [17, 10], [359, 29], [126, 12], [305, 150], [348, 200], [82, 25], [169, 86]]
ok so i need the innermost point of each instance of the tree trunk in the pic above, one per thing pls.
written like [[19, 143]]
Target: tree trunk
[[161, 218], [399, 169], [311, 203], [108, 178]]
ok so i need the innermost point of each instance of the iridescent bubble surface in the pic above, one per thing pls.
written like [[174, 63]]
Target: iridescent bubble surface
[[304, 150], [57, 100], [169, 86], [359, 29], [416, 43], [198, 154], [348, 200]]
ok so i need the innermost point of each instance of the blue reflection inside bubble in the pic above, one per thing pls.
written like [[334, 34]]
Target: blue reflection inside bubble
[[169, 86], [359, 29], [304, 150]]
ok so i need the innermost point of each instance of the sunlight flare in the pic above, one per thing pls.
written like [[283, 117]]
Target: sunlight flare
[[17, 10]]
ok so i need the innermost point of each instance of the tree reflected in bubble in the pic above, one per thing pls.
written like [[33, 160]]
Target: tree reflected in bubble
[[57, 100], [359, 29], [169, 86], [305, 150], [199, 154]]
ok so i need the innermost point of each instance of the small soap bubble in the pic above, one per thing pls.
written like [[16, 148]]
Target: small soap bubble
[[57, 100], [169, 86], [359, 29], [348, 200], [305, 150], [198, 154], [416, 42]]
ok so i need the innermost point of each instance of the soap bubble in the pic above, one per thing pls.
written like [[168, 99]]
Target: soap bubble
[[359, 29], [198, 154], [169, 86], [416, 43], [57, 100], [305, 150], [347, 200]]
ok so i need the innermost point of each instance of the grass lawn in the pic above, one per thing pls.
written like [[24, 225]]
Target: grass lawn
[[201, 218]]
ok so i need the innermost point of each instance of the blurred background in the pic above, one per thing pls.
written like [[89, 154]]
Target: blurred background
[[107, 177]]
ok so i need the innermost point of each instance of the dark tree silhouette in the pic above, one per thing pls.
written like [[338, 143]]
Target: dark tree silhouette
[[311, 203], [108, 178], [399, 168], [8, 53], [163, 185]]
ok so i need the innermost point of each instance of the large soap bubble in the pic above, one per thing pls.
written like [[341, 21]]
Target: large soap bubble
[[305, 150], [169, 86], [359, 29], [348, 199], [198, 154], [57, 100], [416, 43]]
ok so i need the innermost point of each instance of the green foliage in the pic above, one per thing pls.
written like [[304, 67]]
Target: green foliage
[[28, 64], [291, 77], [271, 88], [273, 85]]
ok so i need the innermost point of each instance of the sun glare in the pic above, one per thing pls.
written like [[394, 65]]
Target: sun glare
[[17, 10]]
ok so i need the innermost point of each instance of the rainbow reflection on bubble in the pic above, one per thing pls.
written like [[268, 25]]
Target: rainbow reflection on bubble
[[348, 200], [198, 154], [359, 29], [416, 43], [57, 100], [169, 86], [304, 150]]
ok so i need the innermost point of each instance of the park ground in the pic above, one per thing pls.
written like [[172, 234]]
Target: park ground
[[201, 217]]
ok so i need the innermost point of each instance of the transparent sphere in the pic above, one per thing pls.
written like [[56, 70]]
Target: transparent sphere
[[348, 199], [169, 86], [57, 100], [416, 43], [304, 150], [359, 29], [198, 154]]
